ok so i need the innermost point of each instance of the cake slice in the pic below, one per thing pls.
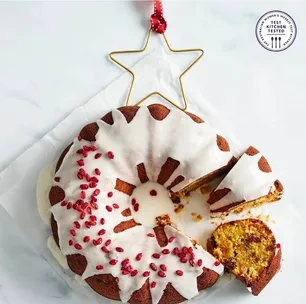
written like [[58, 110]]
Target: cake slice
[[250, 183], [247, 248]]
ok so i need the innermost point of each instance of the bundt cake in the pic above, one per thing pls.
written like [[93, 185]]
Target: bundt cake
[[247, 248], [250, 183], [92, 204]]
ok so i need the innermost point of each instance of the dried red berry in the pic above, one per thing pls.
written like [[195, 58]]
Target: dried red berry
[[87, 224], [153, 192], [156, 255], [87, 176], [78, 246], [185, 250], [85, 153], [86, 239], [99, 267], [133, 201], [163, 267], [110, 155], [77, 225], [179, 272], [89, 211], [217, 263], [104, 249], [80, 176], [93, 148], [134, 273], [191, 262], [102, 221], [125, 262], [119, 249], [200, 262], [94, 205], [278, 245], [81, 162], [116, 206], [161, 274], [80, 151], [70, 242], [94, 199], [97, 171], [82, 171], [171, 239], [82, 194], [153, 266], [63, 203], [94, 179], [113, 262], [136, 207], [110, 194], [139, 256], [96, 192], [108, 242], [79, 137], [85, 148], [182, 255], [183, 260], [108, 208], [82, 216], [125, 272], [165, 251], [190, 250], [150, 235], [153, 284], [93, 217], [84, 186], [92, 185], [69, 205], [102, 232], [57, 179], [146, 274], [98, 155]]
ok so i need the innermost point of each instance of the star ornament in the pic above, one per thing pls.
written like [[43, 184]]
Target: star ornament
[[197, 50]]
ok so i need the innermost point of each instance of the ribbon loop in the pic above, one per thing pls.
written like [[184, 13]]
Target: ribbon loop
[[158, 22]]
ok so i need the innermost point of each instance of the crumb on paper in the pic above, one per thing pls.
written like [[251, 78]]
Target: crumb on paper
[[199, 218], [179, 208], [163, 220], [193, 213]]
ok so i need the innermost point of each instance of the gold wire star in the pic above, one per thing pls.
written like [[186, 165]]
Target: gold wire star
[[111, 56]]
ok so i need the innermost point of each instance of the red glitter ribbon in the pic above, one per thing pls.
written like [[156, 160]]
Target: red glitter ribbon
[[158, 22]]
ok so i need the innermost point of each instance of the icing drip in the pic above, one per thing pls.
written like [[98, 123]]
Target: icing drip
[[57, 254], [246, 182], [93, 203]]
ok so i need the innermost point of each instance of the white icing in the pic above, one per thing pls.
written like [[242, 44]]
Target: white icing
[[44, 185], [142, 140], [57, 254], [246, 181]]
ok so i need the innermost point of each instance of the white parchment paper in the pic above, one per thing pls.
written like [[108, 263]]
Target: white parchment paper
[[18, 181]]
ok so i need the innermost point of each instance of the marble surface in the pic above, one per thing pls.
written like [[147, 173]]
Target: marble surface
[[53, 57]]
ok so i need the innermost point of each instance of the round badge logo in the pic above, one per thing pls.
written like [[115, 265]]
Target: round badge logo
[[276, 31]]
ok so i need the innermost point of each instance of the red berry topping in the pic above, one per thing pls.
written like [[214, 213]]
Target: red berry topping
[[134, 273], [97, 171], [113, 262], [77, 225], [80, 176], [191, 262], [153, 266], [136, 207], [82, 216], [84, 186], [94, 179], [161, 274], [217, 263], [150, 235], [200, 262], [185, 250], [153, 284], [133, 201], [79, 137], [96, 192], [85, 153], [110, 155], [92, 185], [94, 199], [104, 249], [166, 251], [125, 272], [176, 251], [116, 206], [153, 192], [57, 179], [179, 272], [93, 217], [183, 260], [69, 205], [87, 176], [163, 267], [102, 221], [171, 239], [139, 256], [99, 267], [102, 232], [108, 242], [86, 239], [98, 155], [125, 262], [63, 203], [278, 245], [70, 242], [88, 209], [78, 246], [110, 194], [108, 208], [182, 255], [82, 194], [94, 205], [93, 148], [119, 249], [156, 255], [87, 224], [81, 162], [80, 151], [190, 250], [82, 171], [85, 148], [146, 274]]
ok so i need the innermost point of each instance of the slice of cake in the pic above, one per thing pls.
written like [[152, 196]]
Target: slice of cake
[[247, 248], [250, 183]]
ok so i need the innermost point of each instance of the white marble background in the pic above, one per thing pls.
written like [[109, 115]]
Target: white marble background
[[53, 57]]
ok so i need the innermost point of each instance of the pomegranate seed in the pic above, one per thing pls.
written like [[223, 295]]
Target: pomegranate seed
[[97, 171], [102, 232], [192, 256], [77, 225], [92, 223], [63, 203], [171, 239], [278, 245], [179, 272], [139, 256], [87, 176], [83, 194], [190, 250], [150, 235], [161, 274], [85, 153], [94, 179], [116, 206], [176, 251], [78, 246], [136, 207], [80, 151], [200, 262], [191, 262], [166, 251], [217, 263], [80, 176], [183, 260], [96, 192], [84, 186], [108, 242], [70, 242], [185, 250], [86, 239], [89, 211], [182, 255], [57, 179], [81, 162], [163, 267], [102, 221], [82, 216], [78, 208], [86, 148], [69, 206], [110, 194], [153, 266], [104, 249], [93, 148], [87, 224], [113, 262], [153, 284], [79, 137], [119, 249], [82, 171], [134, 273], [156, 255], [125, 272], [108, 208], [74, 206], [99, 267], [153, 192], [94, 199], [94, 205], [129, 268], [98, 155], [125, 262], [93, 217], [146, 274], [133, 201], [110, 155], [94, 242]]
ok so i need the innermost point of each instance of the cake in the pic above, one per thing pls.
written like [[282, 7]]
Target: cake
[[247, 248], [93, 206], [250, 183]]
